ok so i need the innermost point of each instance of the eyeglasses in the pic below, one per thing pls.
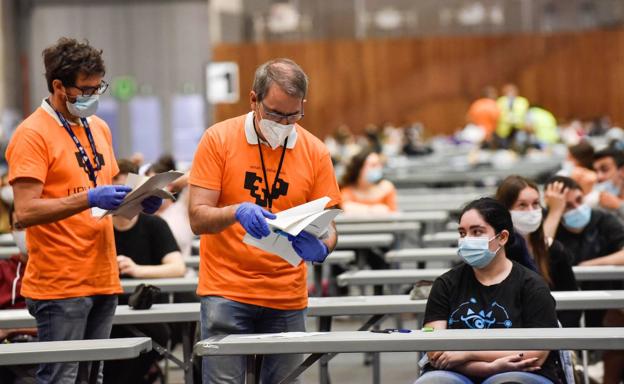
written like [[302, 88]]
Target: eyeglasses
[[90, 91], [277, 117]]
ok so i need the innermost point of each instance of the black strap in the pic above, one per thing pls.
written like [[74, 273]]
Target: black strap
[[269, 191], [88, 167]]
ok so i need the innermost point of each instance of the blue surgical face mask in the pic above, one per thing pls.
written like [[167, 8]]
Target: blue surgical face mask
[[475, 251], [373, 175], [577, 218], [609, 187], [84, 106]]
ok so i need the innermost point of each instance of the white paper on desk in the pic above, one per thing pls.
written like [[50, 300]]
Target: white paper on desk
[[311, 217], [283, 335], [142, 188]]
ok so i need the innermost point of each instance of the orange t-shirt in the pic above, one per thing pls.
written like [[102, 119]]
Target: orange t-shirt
[[227, 160], [388, 198], [485, 113], [75, 256]]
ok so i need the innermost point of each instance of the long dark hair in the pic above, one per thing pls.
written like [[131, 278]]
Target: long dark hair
[[353, 169], [495, 214], [507, 193]]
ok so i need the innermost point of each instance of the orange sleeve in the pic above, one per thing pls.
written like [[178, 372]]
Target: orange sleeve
[[27, 156], [391, 199], [207, 168], [325, 181]]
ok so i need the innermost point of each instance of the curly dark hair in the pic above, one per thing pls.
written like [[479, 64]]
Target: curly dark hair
[[68, 58]]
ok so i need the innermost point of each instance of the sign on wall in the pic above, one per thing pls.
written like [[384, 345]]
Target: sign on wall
[[222, 82]]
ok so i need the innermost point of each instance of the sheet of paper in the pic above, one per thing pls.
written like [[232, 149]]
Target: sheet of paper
[[315, 224], [141, 189], [290, 216], [276, 244], [284, 335]]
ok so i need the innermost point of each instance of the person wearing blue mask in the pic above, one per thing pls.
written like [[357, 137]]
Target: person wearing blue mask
[[489, 291], [593, 237], [363, 188], [61, 169], [609, 191]]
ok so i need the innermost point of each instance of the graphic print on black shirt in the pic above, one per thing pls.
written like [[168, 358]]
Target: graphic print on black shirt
[[473, 315], [521, 300]]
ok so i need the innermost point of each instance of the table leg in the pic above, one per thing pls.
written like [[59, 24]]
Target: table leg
[[324, 326], [254, 362], [318, 280], [187, 350], [95, 371]]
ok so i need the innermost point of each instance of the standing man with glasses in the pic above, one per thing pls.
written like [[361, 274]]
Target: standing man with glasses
[[246, 169], [61, 165]]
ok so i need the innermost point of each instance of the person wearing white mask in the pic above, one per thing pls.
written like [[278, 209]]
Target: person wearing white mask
[[551, 259], [363, 188], [246, 169], [489, 291]]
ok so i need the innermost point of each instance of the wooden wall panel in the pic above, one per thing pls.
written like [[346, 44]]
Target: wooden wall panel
[[434, 80]]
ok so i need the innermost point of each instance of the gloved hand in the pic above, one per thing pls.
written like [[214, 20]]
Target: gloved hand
[[107, 196], [151, 204], [252, 218], [308, 247]]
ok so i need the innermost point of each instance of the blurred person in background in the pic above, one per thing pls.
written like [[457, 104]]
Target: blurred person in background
[[484, 112], [542, 125], [363, 188], [553, 261], [609, 167], [579, 166], [513, 109]]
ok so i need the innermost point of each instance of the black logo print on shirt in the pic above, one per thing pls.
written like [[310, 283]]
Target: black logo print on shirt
[[256, 187], [82, 165]]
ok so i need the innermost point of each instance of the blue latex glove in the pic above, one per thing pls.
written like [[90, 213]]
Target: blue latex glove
[[107, 196], [252, 218], [308, 247], [151, 204]]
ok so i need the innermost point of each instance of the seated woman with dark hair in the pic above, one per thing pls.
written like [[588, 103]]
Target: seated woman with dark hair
[[489, 291], [548, 256], [363, 188]]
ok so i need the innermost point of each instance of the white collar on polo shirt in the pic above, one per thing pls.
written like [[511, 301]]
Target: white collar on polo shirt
[[48, 108], [252, 138]]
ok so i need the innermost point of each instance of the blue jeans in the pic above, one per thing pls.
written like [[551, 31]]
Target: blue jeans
[[222, 316], [450, 377], [77, 318]]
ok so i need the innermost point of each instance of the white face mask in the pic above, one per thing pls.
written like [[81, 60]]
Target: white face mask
[[526, 222], [275, 133], [6, 194], [20, 241]]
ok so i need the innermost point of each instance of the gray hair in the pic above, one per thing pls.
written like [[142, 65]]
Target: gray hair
[[285, 73]]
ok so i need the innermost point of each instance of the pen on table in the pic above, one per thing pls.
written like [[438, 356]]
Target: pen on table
[[391, 330]]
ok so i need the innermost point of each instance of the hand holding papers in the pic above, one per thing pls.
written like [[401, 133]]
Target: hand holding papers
[[142, 188], [310, 217]]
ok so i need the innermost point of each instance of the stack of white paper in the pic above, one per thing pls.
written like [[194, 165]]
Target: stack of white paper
[[142, 188], [311, 217]]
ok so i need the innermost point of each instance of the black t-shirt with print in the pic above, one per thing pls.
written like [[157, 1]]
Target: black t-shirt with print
[[521, 300]]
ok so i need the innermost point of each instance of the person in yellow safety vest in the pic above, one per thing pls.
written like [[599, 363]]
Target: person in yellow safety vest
[[513, 109], [542, 124]]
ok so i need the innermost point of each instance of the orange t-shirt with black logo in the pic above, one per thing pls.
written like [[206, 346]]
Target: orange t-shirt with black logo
[[227, 160], [75, 256]]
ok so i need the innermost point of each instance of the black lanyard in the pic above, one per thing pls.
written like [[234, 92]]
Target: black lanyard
[[88, 167], [269, 191]]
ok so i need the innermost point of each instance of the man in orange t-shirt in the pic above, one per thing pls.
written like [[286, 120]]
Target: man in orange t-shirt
[[61, 165], [484, 112], [244, 169]]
